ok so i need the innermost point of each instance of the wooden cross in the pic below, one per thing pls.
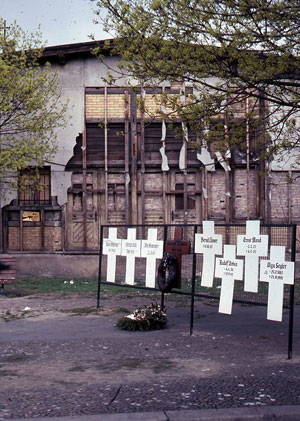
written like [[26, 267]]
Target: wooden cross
[[229, 269], [252, 246], [209, 244], [178, 247], [151, 249], [111, 247], [276, 272], [131, 248]]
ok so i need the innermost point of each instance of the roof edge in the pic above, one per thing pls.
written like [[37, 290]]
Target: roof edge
[[81, 48]]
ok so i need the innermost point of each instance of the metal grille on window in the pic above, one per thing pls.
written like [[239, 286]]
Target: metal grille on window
[[35, 188]]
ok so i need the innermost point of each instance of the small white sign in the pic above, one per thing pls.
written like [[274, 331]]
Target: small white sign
[[112, 246], [131, 248], [151, 249], [229, 269], [276, 272], [209, 244], [252, 246]]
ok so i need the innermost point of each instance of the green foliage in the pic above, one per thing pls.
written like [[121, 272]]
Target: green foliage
[[31, 110], [229, 51]]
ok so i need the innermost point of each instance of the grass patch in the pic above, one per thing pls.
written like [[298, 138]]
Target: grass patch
[[14, 358], [8, 316], [121, 310], [83, 310], [130, 364], [162, 366], [49, 285], [77, 369], [63, 286], [7, 373]]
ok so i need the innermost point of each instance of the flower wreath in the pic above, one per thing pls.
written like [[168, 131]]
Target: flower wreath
[[168, 265], [150, 317]]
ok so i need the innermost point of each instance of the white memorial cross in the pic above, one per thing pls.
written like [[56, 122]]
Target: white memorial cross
[[111, 247], [229, 269], [252, 246], [277, 272], [209, 244], [152, 249], [131, 248]]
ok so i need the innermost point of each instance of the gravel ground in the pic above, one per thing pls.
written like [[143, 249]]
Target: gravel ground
[[55, 363]]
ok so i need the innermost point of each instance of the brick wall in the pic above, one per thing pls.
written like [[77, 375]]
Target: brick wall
[[295, 196], [279, 195], [95, 106], [243, 201], [216, 194], [32, 238], [53, 238], [13, 238], [116, 105]]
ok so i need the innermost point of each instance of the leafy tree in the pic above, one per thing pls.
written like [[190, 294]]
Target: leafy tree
[[31, 109], [232, 52]]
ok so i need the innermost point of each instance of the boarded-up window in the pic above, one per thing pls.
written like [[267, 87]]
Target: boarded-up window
[[34, 186], [95, 138], [179, 198]]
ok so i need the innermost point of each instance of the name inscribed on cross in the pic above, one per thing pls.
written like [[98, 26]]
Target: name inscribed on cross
[[209, 244], [131, 248], [152, 249], [276, 272], [229, 269], [112, 246], [252, 246]]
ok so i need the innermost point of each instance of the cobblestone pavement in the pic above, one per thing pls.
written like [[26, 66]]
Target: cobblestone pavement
[[58, 364]]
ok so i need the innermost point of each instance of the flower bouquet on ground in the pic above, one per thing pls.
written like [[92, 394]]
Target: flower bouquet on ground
[[150, 317]]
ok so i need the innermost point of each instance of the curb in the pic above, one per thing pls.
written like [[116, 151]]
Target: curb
[[282, 413]]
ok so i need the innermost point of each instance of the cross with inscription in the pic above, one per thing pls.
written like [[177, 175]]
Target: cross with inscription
[[277, 272], [131, 248], [112, 246], [151, 249], [178, 247], [252, 246], [209, 244], [229, 269]]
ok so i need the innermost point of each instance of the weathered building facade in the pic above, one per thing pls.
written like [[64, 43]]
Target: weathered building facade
[[118, 164]]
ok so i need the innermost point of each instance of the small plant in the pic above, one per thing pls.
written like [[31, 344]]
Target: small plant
[[150, 317]]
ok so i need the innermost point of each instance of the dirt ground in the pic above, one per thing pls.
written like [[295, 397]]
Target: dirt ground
[[49, 305]]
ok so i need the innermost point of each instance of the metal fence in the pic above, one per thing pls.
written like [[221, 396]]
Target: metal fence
[[192, 263]]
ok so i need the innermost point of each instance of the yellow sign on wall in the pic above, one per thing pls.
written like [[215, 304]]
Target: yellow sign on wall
[[31, 216]]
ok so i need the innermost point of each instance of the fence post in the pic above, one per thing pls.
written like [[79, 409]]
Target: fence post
[[292, 295], [100, 266], [193, 285], [162, 296]]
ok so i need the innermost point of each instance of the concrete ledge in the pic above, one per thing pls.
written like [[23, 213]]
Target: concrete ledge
[[131, 416], [282, 413], [31, 265]]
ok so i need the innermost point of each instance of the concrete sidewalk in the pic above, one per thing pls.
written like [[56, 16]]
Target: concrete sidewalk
[[282, 413]]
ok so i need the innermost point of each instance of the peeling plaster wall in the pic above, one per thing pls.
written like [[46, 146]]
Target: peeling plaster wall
[[74, 77]]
